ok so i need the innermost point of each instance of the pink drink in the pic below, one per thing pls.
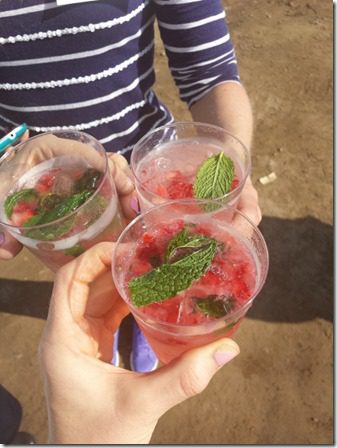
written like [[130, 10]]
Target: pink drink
[[214, 304], [165, 162], [62, 206]]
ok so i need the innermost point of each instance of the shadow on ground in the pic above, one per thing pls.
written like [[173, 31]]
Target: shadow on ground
[[299, 286]]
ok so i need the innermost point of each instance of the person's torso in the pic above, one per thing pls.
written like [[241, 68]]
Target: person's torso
[[87, 66]]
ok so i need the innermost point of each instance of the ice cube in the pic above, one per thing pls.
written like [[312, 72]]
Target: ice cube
[[63, 184], [163, 164], [189, 169]]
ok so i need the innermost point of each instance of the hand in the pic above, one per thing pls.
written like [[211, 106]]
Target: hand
[[50, 146], [9, 246], [88, 399], [248, 202], [124, 184]]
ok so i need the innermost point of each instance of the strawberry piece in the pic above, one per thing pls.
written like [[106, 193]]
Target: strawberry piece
[[140, 267], [180, 190], [240, 290], [20, 218], [235, 183], [211, 279], [148, 238], [161, 191], [23, 206], [46, 181], [203, 230]]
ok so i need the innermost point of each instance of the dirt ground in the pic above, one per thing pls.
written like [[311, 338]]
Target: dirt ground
[[280, 389]]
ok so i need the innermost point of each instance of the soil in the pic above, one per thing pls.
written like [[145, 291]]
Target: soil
[[280, 389]]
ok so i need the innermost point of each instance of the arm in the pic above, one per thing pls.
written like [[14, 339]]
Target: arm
[[203, 64], [227, 105]]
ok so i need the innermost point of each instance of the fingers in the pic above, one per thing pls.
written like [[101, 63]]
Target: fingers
[[72, 281], [188, 375], [125, 188], [248, 203], [130, 206], [121, 173], [9, 246], [25, 136], [104, 301]]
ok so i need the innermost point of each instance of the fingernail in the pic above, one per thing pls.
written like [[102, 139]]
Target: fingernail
[[2, 238], [224, 354], [134, 204]]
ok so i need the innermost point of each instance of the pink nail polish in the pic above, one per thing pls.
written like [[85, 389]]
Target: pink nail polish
[[134, 204], [2, 238], [223, 357]]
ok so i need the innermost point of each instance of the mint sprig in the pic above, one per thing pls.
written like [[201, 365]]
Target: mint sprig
[[215, 306], [171, 278], [214, 177], [184, 243], [27, 194], [64, 208]]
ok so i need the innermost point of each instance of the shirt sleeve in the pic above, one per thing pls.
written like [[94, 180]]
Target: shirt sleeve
[[198, 45]]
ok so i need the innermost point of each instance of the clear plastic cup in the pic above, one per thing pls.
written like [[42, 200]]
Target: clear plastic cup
[[165, 162], [58, 197], [227, 288]]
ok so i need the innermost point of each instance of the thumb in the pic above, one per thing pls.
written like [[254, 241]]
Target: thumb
[[188, 375], [9, 246]]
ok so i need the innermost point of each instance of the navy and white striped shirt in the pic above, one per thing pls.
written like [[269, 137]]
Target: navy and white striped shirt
[[89, 66]]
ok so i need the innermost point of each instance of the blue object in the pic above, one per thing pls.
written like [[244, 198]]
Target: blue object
[[142, 357], [12, 137], [115, 352]]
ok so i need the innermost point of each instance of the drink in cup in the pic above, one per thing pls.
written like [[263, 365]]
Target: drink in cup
[[189, 280], [185, 160], [58, 197]]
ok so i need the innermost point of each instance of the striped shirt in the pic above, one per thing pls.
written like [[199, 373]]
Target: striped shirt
[[90, 66]]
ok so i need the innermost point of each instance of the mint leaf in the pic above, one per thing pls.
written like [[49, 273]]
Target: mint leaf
[[67, 206], [27, 195], [214, 178], [50, 201], [88, 181], [183, 244], [179, 239], [169, 279], [50, 233], [215, 306], [34, 220]]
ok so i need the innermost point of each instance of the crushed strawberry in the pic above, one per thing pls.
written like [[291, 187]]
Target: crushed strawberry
[[45, 183], [23, 206], [20, 218], [235, 183], [161, 191]]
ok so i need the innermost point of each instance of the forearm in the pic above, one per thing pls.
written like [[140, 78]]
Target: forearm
[[227, 105]]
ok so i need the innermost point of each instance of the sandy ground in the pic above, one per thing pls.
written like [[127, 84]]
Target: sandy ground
[[279, 390]]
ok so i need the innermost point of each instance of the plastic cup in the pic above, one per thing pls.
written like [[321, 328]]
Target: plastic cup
[[235, 277], [58, 197], [165, 161]]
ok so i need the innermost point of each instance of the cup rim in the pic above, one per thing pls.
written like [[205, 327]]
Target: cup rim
[[191, 124], [56, 221], [230, 317]]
